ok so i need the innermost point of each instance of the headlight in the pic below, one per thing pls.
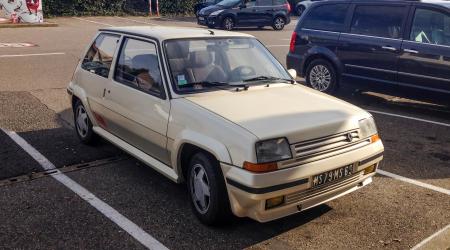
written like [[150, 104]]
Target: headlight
[[215, 13], [368, 127], [273, 150]]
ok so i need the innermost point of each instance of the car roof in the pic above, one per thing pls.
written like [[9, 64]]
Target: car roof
[[165, 32]]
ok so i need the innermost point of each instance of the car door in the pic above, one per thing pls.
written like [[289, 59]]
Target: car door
[[93, 77], [425, 58], [138, 108], [370, 48], [247, 14], [264, 12]]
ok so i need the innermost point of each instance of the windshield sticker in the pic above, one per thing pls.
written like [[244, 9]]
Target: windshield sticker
[[181, 80]]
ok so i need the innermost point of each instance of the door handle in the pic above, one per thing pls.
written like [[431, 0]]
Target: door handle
[[389, 48], [411, 51], [104, 92]]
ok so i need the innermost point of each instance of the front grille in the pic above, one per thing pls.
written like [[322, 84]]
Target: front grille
[[321, 148], [313, 192], [326, 144]]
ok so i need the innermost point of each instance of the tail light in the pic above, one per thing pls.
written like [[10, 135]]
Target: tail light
[[288, 7], [293, 41]]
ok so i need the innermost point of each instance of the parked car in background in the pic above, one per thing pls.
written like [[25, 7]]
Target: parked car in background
[[204, 3], [400, 46], [217, 111], [301, 6], [229, 14]]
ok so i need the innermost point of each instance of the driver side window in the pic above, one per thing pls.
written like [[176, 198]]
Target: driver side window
[[138, 66], [431, 27], [99, 57]]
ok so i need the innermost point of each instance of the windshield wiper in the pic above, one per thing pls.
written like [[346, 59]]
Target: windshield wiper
[[214, 85], [268, 78]]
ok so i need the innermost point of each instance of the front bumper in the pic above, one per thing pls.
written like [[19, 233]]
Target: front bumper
[[210, 21], [248, 191]]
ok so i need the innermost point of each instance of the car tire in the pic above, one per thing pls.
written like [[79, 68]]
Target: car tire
[[322, 76], [207, 190], [83, 125], [300, 9], [228, 23], [278, 23]]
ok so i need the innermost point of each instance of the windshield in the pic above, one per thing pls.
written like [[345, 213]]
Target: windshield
[[200, 64], [445, 4], [228, 3]]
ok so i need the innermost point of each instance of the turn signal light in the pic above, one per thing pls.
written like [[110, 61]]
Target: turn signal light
[[375, 138], [274, 202], [260, 168]]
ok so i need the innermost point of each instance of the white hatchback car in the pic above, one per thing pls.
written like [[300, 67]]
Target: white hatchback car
[[215, 109]]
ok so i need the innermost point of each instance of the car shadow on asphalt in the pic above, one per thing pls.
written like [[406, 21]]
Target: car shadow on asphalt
[[163, 209], [391, 103], [152, 201]]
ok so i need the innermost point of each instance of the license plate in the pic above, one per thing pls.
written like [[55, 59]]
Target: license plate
[[332, 175], [201, 18]]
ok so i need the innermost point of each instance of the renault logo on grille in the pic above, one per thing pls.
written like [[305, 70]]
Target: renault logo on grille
[[349, 137]]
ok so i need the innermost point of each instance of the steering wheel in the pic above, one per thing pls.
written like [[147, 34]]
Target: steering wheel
[[102, 71], [242, 72]]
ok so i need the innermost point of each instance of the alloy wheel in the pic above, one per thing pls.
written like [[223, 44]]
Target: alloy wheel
[[228, 23], [300, 10], [279, 23], [82, 122], [320, 78], [200, 188]]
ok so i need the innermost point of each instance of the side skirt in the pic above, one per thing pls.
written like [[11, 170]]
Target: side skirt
[[147, 159]]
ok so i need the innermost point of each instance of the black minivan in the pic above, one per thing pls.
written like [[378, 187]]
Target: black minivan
[[402, 46], [229, 14]]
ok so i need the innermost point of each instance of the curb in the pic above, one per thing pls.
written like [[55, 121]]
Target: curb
[[27, 25]]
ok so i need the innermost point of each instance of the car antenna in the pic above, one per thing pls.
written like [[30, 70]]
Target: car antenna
[[211, 32]]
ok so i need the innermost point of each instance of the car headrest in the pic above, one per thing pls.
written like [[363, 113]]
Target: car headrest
[[200, 58], [145, 61], [177, 49]]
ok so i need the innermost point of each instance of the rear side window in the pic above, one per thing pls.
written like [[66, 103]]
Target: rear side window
[[99, 57], [430, 26], [378, 20], [330, 17], [138, 66]]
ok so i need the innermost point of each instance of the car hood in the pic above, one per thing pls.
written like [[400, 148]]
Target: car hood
[[210, 9], [283, 110]]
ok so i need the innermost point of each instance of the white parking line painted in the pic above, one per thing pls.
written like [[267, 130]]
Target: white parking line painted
[[25, 55], [410, 118], [90, 21], [425, 241], [136, 21], [134, 230], [414, 182]]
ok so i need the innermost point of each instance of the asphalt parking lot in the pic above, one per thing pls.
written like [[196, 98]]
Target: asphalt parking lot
[[111, 201]]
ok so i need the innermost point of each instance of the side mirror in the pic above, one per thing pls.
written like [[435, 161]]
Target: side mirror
[[293, 73]]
